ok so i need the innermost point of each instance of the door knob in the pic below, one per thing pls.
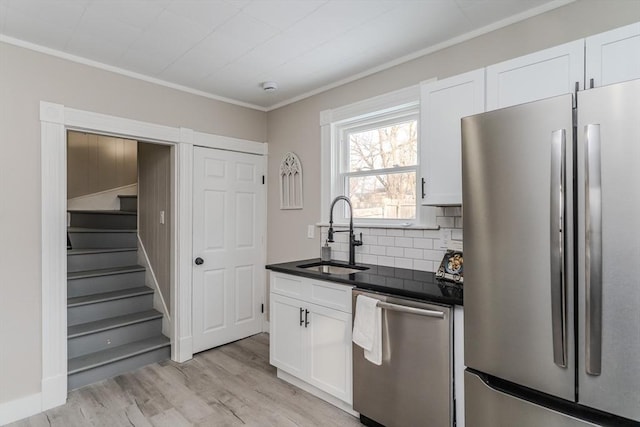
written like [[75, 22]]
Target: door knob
[[199, 261]]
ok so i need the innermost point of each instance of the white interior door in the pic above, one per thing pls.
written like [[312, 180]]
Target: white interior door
[[228, 230]]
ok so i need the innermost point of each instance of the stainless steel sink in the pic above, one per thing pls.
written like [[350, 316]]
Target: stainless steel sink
[[333, 268]]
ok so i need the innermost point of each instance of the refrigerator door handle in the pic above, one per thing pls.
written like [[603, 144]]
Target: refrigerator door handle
[[557, 228], [593, 251]]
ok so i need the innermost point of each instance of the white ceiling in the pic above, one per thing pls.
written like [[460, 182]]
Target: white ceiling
[[225, 49]]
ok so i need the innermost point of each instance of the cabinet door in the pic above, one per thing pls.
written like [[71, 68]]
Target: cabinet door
[[328, 346], [444, 103], [613, 57], [286, 335], [540, 75]]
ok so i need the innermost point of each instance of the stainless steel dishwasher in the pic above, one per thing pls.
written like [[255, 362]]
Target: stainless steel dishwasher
[[414, 385]]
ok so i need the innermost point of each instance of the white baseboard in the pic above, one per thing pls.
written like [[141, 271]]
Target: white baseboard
[[18, 409], [182, 352], [265, 326], [104, 200], [54, 391]]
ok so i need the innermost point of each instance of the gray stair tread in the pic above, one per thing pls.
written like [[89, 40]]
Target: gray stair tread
[[127, 196], [105, 212], [98, 250], [93, 360], [104, 271], [111, 323], [101, 230], [108, 296]]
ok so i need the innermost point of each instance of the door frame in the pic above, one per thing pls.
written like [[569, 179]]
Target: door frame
[[55, 120]]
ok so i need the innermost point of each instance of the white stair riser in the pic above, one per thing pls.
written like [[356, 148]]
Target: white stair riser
[[113, 337]]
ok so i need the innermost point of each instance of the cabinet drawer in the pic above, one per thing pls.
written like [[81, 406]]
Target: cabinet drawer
[[331, 295], [292, 286], [326, 294]]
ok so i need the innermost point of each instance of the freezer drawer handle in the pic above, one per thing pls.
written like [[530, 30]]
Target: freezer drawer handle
[[558, 280], [593, 251], [410, 310]]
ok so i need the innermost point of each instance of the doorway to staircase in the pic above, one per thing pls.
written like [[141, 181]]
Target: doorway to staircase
[[118, 255], [55, 120]]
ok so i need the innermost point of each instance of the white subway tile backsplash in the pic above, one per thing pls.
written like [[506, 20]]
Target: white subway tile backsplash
[[423, 243], [402, 248], [403, 263], [386, 241], [377, 250], [414, 233], [432, 234], [340, 256], [386, 261], [453, 211], [433, 255], [404, 242], [369, 259], [413, 253], [369, 240], [378, 231], [445, 221], [395, 251], [422, 265], [341, 237]]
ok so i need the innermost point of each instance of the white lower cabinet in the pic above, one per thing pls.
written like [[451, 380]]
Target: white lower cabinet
[[309, 341]]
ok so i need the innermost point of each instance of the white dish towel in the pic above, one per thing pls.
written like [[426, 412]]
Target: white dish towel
[[367, 328]]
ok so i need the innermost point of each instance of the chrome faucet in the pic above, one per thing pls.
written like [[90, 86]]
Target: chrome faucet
[[352, 238]]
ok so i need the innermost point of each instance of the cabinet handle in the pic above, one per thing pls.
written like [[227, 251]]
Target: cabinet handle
[[306, 318], [301, 311], [423, 192]]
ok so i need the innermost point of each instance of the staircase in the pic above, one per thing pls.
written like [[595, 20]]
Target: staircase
[[112, 326]]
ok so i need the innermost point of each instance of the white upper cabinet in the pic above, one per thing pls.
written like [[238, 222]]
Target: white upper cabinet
[[443, 104], [542, 74], [613, 57]]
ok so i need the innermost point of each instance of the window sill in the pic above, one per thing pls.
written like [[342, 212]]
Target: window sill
[[378, 225]]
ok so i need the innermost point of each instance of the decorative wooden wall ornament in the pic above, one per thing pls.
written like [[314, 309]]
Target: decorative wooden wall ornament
[[290, 182]]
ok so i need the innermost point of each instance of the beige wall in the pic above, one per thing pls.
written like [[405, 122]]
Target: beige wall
[[154, 195], [97, 163], [26, 78], [296, 126]]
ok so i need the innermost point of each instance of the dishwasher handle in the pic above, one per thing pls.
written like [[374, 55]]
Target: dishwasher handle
[[410, 310]]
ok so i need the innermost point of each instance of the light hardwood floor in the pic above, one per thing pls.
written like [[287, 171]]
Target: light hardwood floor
[[232, 385]]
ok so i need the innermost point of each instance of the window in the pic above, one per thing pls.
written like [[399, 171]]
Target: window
[[371, 153], [378, 165]]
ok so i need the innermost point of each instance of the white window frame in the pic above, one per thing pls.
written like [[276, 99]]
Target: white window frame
[[332, 124]]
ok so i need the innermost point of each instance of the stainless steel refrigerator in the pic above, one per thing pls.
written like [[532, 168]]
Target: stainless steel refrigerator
[[551, 205]]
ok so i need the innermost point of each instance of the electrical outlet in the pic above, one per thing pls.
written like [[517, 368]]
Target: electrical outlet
[[445, 238], [161, 217], [311, 231]]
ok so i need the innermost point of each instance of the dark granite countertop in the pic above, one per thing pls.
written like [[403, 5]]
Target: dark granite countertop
[[421, 285]]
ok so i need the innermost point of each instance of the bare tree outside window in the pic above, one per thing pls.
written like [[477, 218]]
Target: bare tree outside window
[[382, 169]]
